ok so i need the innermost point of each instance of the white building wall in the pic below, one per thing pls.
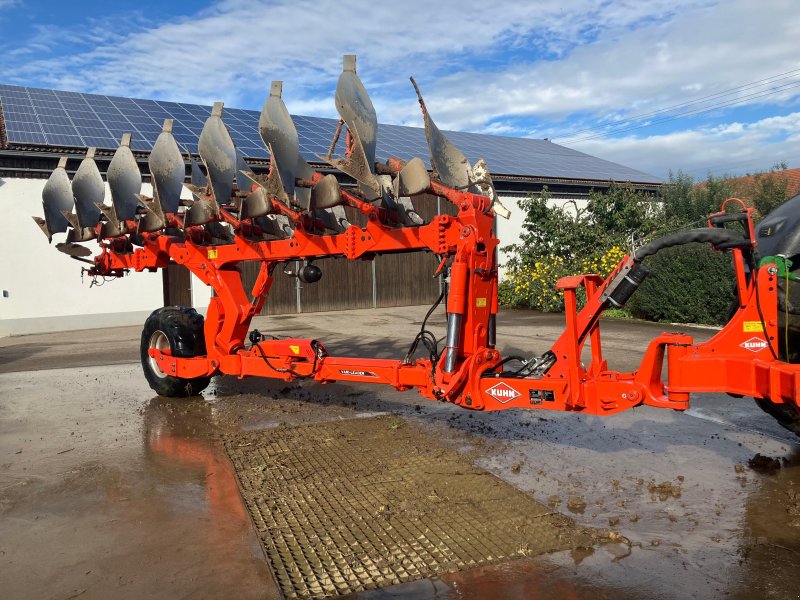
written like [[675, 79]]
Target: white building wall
[[43, 286], [201, 295], [509, 230]]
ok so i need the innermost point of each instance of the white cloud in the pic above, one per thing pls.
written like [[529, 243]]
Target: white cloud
[[721, 149], [541, 69], [705, 50], [232, 49]]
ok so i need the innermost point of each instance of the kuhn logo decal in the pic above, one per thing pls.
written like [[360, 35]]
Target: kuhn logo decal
[[503, 393], [755, 344]]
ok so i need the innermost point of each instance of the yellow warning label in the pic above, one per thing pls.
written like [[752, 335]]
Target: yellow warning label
[[295, 349], [480, 302], [212, 253], [753, 326]]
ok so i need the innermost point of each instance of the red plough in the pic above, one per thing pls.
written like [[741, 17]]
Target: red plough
[[297, 214]]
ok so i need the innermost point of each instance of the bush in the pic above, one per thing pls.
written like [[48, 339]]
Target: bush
[[534, 285], [558, 241], [686, 201], [687, 284]]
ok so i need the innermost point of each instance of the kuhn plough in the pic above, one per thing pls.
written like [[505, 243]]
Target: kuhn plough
[[296, 214]]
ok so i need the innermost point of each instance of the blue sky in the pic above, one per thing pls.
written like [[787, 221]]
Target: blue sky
[[575, 71]]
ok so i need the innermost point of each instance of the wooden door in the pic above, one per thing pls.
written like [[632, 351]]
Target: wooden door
[[177, 281]]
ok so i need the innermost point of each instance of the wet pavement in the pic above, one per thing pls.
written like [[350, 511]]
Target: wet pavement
[[108, 491]]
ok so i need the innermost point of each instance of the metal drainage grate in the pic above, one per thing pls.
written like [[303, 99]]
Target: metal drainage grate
[[347, 506]]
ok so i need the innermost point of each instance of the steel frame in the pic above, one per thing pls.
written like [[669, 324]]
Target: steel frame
[[740, 359]]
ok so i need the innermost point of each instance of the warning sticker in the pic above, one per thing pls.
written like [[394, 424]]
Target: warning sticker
[[753, 326], [480, 302], [212, 253], [295, 349]]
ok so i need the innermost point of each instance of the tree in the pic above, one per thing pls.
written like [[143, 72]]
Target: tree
[[687, 202], [550, 230], [558, 241], [766, 191], [622, 213], [688, 283]]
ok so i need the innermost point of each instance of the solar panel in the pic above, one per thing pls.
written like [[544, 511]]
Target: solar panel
[[44, 117]]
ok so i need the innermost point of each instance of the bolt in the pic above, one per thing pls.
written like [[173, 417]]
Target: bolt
[[468, 401]]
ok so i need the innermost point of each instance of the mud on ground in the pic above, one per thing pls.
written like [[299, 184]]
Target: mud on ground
[[357, 504], [108, 491]]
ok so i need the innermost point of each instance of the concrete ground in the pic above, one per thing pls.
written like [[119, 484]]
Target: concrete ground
[[107, 490]]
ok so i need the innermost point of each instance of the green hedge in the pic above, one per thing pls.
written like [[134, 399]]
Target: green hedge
[[687, 284]]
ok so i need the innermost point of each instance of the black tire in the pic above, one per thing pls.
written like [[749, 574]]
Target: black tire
[[181, 329], [785, 414]]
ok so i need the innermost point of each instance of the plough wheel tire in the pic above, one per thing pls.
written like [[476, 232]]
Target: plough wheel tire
[[785, 414], [180, 330]]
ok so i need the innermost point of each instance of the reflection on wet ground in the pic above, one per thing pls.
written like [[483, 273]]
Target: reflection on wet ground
[[118, 497], [107, 491], [772, 534]]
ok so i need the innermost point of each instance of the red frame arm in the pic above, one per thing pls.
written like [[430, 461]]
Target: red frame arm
[[741, 359]]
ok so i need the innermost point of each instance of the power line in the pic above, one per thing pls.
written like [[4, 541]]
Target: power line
[[728, 92], [740, 100]]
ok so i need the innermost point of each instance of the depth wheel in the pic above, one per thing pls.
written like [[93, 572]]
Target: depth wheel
[[179, 330], [785, 414]]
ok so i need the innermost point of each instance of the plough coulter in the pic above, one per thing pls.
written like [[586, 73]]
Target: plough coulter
[[295, 215]]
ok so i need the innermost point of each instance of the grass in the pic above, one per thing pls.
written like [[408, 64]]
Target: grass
[[617, 313]]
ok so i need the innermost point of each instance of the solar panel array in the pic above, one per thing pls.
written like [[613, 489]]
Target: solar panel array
[[41, 117]]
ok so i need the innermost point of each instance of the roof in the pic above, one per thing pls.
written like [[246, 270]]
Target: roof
[[47, 119], [747, 186], [791, 176]]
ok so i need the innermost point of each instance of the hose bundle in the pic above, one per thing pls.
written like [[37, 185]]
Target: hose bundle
[[723, 239], [627, 282]]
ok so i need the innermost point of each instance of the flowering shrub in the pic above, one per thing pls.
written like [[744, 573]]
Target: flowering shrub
[[687, 284], [534, 285]]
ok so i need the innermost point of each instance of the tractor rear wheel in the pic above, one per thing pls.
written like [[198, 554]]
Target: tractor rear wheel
[[179, 330], [786, 414]]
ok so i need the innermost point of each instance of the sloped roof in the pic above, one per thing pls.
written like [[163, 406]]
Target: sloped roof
[[791, 176], [43, 118]]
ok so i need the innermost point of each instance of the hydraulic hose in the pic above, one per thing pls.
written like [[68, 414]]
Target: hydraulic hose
[[724, 239], [627, 282]]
